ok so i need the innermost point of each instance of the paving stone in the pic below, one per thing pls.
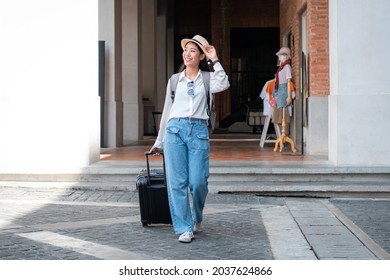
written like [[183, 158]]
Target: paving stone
[[327, 244], [371, 215], [233, 227]]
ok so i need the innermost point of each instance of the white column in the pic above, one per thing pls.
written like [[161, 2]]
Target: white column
[[359, 98], [131, 71], [110, 31], [49, 103]]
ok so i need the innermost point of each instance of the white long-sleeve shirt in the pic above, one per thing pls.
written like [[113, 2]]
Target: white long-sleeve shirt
[[187, 106]]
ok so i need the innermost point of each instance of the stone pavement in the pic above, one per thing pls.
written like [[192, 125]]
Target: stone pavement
[[76, 224]]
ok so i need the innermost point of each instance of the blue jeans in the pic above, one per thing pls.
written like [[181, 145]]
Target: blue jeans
[[187, 155]]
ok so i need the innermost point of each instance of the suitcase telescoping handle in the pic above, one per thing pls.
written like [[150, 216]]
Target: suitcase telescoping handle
[[147, 154]]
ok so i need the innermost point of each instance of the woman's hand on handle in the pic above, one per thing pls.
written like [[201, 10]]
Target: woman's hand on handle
[[155, 150]]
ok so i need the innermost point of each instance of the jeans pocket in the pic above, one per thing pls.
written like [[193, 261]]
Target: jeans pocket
[[172, 135], [201, 141]]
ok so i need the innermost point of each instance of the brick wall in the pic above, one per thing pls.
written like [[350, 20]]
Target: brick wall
[[318, 40]]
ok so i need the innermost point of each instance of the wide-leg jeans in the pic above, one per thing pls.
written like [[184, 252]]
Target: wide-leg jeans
[[187, 156]]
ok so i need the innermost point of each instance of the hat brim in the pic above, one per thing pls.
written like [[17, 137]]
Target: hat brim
[[184, 42], [280, 53], [284, 51]]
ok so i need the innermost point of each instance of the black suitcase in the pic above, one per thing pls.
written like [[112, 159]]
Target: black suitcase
[[153, 196]]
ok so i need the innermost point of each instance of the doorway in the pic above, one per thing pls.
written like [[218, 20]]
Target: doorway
[[253, 62]]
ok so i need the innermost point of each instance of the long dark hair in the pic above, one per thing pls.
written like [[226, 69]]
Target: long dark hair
[[204, 65]]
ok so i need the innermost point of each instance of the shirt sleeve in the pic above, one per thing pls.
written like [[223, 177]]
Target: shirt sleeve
[[219, 81], [263, 92], [164, 117], [288, 72]]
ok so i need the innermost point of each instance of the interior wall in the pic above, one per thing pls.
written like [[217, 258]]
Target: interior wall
[[192, 17], [248, 13]]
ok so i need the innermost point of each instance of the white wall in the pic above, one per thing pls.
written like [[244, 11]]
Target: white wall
[[359, 89], [49, 104]]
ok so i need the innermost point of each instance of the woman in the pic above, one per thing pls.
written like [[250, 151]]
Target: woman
[[184, 135]]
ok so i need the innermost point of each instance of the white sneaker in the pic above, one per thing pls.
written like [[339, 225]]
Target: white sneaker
[[196, 227], [186, 237]]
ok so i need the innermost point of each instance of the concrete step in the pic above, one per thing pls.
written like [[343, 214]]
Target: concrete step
[[218, 174], [224, 177]]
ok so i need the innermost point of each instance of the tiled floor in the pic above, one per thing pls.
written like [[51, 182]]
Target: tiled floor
[[223, 148]]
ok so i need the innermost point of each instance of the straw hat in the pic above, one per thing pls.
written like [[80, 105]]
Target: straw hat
[[197, 39]]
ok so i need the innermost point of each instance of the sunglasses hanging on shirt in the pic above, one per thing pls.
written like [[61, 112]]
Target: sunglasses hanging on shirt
[[190, 88]]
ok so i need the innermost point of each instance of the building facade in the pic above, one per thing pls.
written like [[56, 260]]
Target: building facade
[[54, 117]]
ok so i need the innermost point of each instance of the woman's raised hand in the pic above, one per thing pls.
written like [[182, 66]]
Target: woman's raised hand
[[211, 53]]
